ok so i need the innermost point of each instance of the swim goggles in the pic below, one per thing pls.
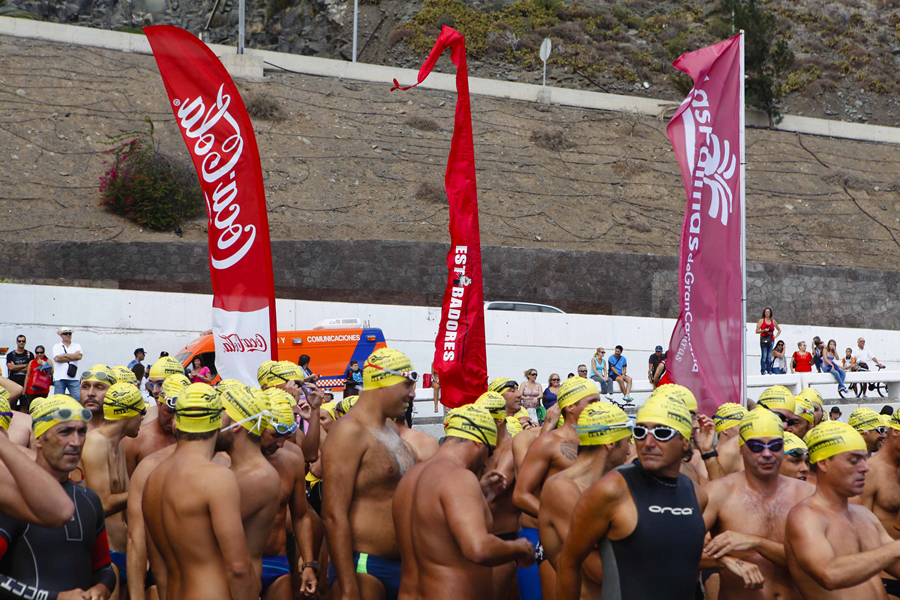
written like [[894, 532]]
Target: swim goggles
[[660, 432], [282, 429], [259, 420], [797, 453], [756, 446], [131, 407], [478, 428], [728, 418], [784, 419], [410, 375], [601, 428], [65, 414], [101, 375], [880, 430], [6, 414], [508, 384]]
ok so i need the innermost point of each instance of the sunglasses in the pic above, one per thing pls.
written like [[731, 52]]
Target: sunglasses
[[20, 341], [285, 429], [410, 375], [660, 432], [66, 414], [554, 379], [530, 374], [101, 375], [582, 370], [757, 446], [38, 352], [259, 420]]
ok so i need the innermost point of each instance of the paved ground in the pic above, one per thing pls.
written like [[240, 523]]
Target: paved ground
[[349, 161]]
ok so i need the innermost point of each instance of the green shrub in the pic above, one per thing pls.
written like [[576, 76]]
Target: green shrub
[[148, 187]]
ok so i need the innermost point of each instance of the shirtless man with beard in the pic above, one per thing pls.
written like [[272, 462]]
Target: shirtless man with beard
[[747, 510], [551, 453], [603, 436], [363, 459]]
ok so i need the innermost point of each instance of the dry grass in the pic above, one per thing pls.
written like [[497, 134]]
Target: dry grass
[[843, 178], [551, 139], [264, 107], [430, 192], [422, 123]]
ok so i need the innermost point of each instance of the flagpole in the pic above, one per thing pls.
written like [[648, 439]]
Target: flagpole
[[743, 238]]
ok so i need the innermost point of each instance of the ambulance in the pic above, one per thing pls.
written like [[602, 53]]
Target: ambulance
[[330, 345]]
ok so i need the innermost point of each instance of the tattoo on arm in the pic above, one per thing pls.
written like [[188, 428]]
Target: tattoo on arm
[[569, 449]]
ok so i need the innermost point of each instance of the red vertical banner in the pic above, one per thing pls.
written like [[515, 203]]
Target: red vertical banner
[[460, 357], [705, 352], [215, 126]]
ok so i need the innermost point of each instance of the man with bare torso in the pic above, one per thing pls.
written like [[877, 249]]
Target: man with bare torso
[[836, 550], [103, 463], [160, 432], [603, 435], [192, 509], [423, 445], [442, 519], [551, 453], [869, 425], [727, 420], [277, 575], [747, 511], [363, 459]]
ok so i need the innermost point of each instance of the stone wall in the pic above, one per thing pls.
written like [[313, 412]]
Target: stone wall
[[393, 272]]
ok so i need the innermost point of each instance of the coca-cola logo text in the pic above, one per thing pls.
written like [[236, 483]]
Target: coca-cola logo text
[[234, 240], [235, 343]]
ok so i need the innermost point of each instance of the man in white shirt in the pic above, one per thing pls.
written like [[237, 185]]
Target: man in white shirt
[[863, 355], [66, 354]]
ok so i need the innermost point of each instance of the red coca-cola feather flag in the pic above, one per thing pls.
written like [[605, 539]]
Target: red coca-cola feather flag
[[459, 355], [706, 349], [219, 136]]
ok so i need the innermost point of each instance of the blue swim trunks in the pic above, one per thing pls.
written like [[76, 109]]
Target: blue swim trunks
[[118, 559], [273, 567], [385, 570], [530, 579]]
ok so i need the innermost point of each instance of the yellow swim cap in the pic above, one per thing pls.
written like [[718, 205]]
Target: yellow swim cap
[[246, 406], [198, 409], [885, 420], [494, 403], [52, 410], [472, 423], [125, 374], [262, 373], [172, 386], [347, 403], [728, 415], [829, 438], [574, 390], [329, 408], [513, 426], [167, 365], [677, 392], [793, 444], [282, 412], [812, 395], [283, 371], [123, 401], [602, 423], [274, 393], [803, 408], [894, 422], [760, 423], [864, 419], [386, 367], [5, 408], [777, 396], [101, 373], [500, 384], [522, 414], [666, 411]]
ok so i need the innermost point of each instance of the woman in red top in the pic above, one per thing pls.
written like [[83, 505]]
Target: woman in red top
[[35, 371], [768, 330], [802, 360]]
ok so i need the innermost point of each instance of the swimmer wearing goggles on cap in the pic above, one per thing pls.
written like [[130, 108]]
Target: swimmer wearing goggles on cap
[[835, 548], [882, 487], [747, 510], [726, 420], [363, 445], [445, 490], [796, 458], [157, 433], [94, 384]]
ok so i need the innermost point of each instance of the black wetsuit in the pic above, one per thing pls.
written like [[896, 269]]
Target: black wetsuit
[[661, 556], [37, 563]]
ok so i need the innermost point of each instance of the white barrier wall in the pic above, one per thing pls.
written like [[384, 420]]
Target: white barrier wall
[[110, 324]]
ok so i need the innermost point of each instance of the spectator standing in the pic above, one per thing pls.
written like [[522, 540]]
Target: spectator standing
[[308, 375], [531, 390], [599, 368], [435, 387], [830, 365], [548, 398], [779, 361], [655, 359], [136, 367], [17, 361], [864, 356], [802, 361], [38, 378], [768, 330], [818, 348], [200, 373], [618, 371], [353, 380], [66, 355]]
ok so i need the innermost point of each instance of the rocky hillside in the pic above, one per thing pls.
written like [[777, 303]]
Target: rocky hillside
[[845, 51]]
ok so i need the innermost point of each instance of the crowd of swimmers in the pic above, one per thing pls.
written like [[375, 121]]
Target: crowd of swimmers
[[245, 492]]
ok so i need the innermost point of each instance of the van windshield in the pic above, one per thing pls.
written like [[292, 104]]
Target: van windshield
[[183, 356]]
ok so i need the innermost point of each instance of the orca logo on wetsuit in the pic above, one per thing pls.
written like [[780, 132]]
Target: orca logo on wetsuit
[[674, 511]]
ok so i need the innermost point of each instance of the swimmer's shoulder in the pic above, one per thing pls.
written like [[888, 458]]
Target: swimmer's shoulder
[[798, 488], [724, 486]]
